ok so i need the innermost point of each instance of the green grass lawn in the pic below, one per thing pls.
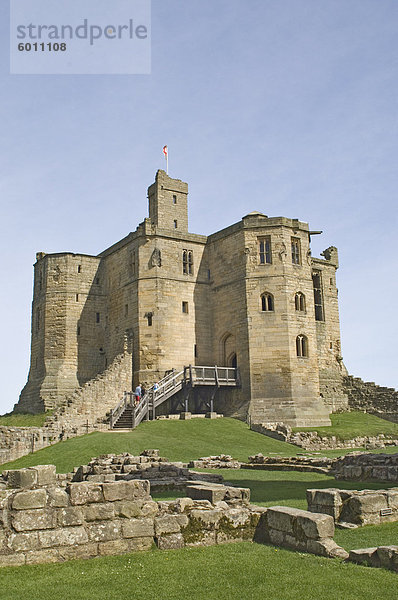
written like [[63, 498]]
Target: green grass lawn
[[23, 420], [352, 424], [226, 572], [176, 440]]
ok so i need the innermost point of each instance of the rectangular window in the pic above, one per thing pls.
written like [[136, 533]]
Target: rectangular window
[[185, 307], [318, 296], [77, 297], [97, 317], [296, 255], [174, 199], [264, 247]]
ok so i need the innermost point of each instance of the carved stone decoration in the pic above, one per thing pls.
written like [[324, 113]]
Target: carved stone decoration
[[156, 258], [57, 274], [282, 251], [247, 254]]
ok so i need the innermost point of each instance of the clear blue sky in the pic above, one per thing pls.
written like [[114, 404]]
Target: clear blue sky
[[288, 107]]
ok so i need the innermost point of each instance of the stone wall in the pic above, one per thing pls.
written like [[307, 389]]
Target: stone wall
[[366, 507], [19, 441], [358, 466], [301, 530], [311, 440], [47, 518], [372, 398]]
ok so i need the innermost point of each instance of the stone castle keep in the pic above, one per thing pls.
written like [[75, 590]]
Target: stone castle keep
[[249, 296]]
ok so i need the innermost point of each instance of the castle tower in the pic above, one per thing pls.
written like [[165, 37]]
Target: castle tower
[[168, 203]]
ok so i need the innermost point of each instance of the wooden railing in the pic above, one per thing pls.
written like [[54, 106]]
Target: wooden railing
[[172, 383]]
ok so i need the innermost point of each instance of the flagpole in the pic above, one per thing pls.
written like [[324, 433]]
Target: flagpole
[[167, 162]]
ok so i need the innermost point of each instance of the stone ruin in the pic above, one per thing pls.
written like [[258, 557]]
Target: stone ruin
[[106, 508], [162, 474], [311, 440], [352, 507], [362, 466]]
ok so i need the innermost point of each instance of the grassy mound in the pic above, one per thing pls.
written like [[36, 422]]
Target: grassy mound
[[23, 420], [177, 440], [349, 425]]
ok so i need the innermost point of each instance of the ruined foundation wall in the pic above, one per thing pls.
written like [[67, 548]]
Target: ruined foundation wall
[[372, 398]]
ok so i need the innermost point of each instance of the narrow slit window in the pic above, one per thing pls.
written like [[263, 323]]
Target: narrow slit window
[[185, 307], [175, 224], [77, 297], [97, 317], [149, 316], [174, 199], [126, 310], [190, 262], [78, 330], [79, 268], [318, 296]]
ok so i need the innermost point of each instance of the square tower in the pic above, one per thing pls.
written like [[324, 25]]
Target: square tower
[[168, 203]]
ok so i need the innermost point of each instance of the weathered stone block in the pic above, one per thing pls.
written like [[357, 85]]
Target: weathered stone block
[[18, 542], [166, 524], [199, 492], [170, 542], [281, 518], [30, 499], [99, 512], [39, 518], [104, 532], [140, 544], [364, 556], [85, 493], [127, 509], [388, 557], [315, 526], [37, 557], [67, 517], [67, 536], [57, 497], [75, 552], [150, 509], [326, 547], [207, 519], [21, 478], [12, 560], [126, 490], [138, 528], [46, 474], [113, 547]]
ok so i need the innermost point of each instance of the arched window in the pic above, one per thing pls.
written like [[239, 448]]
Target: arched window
[[299, 301], [301, 345], [267, 302]]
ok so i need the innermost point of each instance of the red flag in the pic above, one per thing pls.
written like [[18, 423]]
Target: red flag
[[165, 151]]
